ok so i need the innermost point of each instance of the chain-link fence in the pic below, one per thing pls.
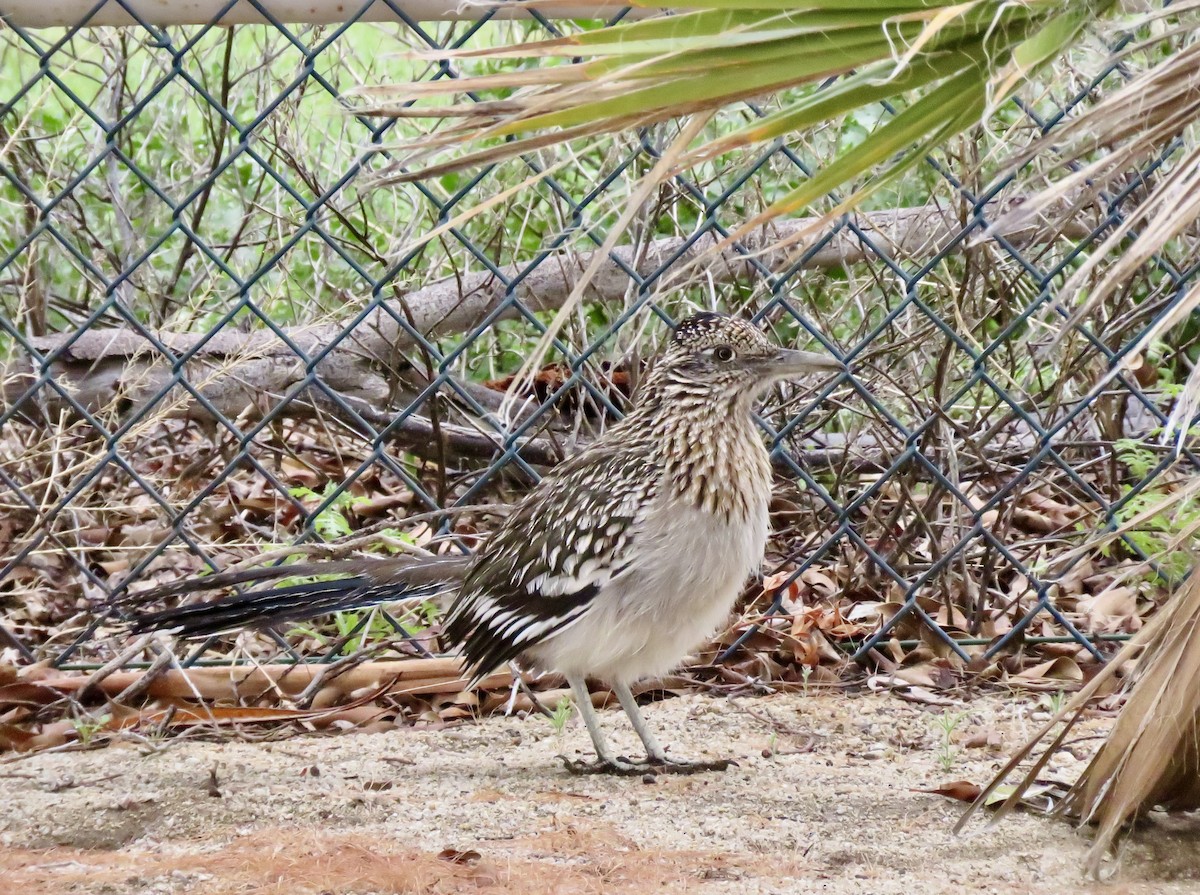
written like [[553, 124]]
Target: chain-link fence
[[219, 338]]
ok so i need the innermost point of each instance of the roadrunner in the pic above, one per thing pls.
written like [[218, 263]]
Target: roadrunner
[[614, 566]]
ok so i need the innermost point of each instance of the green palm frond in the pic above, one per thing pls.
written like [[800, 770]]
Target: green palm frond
[[942, 63]]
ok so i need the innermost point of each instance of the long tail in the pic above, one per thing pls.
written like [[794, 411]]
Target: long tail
[[365, 583]]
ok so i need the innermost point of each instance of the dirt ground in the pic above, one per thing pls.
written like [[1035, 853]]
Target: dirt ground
[[823, 800]]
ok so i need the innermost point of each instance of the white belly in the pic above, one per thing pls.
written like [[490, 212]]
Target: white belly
[[691, 568]]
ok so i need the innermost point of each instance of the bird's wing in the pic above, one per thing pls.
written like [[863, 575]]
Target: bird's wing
[[542, 568]]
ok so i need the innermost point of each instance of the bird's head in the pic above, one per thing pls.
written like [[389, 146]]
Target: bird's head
[[726, 356]]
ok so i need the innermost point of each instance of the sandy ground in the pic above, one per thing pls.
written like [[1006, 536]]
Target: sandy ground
[[828, 807]]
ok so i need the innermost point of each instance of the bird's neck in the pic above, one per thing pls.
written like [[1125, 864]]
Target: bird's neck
[[707, 445]]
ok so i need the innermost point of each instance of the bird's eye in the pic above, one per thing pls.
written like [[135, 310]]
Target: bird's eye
[[723, 353]]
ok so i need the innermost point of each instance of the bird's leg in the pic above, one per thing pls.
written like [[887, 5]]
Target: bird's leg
[[606, 762], [655, 752]]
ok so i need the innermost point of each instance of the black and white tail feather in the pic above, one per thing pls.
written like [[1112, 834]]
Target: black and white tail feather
[[342, 585], [295, 602], [489, 635]]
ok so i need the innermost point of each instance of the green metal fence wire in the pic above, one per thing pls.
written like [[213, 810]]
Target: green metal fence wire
[[205, 180]]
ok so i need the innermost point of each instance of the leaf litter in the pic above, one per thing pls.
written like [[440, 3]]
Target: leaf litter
[[795, 630]]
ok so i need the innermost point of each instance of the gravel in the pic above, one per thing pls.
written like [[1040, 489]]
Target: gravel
[[825, 799]]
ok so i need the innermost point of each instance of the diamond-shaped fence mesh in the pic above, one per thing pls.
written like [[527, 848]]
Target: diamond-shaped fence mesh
[[219, 338]]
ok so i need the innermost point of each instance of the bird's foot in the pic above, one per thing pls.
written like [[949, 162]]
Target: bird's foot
[[623, 767], [680, 766], [619, 766]]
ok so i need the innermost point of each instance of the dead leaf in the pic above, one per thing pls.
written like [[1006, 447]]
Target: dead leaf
[[925, 696], [1110, 609], [921, 676], [1041, 798], [1031, 520], [772, 583], [378, 506], [142, 534], [27, 693], [15, 738], [819, 581], [905, 690], [1073, 580], [1060, 669], [959, 790], [114, 566], [295, 470], [988, 738]]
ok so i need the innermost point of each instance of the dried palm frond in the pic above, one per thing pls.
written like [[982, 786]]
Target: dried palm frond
[[1129, 127], [1157, 110], [1151, 757]]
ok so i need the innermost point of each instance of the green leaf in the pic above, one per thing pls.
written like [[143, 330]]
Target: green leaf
[[716, 31], [942, 62], [946, 109], [870, 85], [797, 55], [1053, 39], [683, 93]]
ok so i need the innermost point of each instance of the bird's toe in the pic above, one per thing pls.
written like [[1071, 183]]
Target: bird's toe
[[680, 766], [618, 766]]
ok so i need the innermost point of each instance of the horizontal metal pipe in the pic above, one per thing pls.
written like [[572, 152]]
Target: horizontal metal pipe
[[67, 13]]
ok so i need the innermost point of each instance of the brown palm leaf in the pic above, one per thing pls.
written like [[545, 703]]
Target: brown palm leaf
[[1151, 757]]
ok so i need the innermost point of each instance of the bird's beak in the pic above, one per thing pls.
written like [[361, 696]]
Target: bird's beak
[[795, 363]]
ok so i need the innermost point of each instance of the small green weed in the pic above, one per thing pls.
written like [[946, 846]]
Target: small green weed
[[1055, 703], [331, 522], [561, 714], [947, 722], [351, 622], [88, 726], [1153, 536], [374, 629]]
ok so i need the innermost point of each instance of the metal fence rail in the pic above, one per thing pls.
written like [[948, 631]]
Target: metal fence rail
[[217, 337]]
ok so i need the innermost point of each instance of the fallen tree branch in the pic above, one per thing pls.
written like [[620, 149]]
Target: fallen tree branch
[[119, 374], [422, 437], [402, 677]]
